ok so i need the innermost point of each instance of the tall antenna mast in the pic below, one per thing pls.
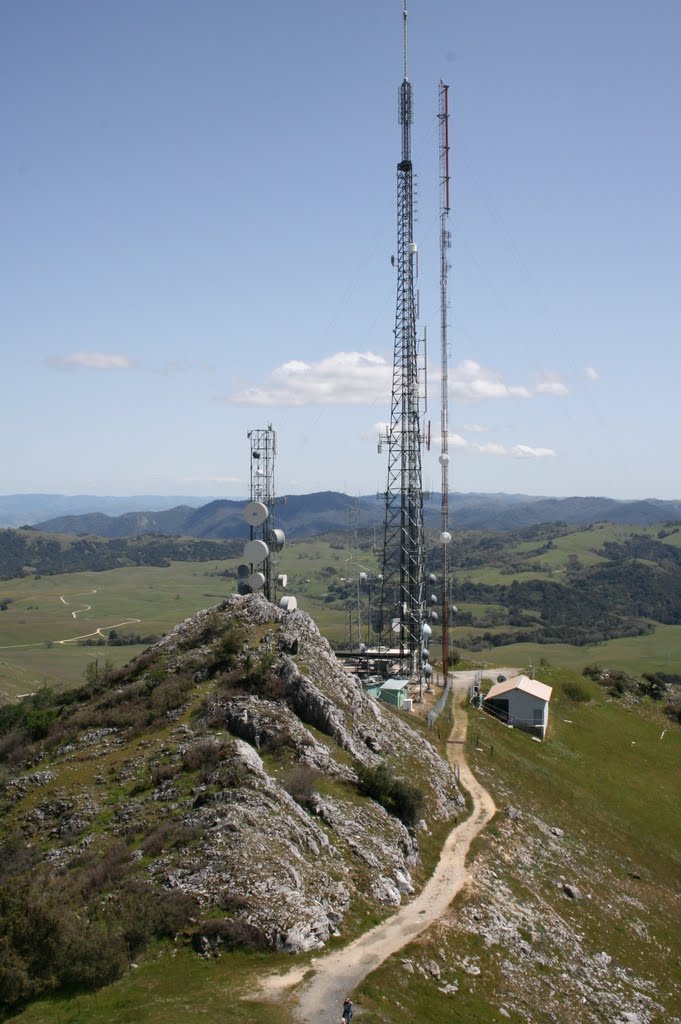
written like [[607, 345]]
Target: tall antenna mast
[[402, 590], [445, 244]]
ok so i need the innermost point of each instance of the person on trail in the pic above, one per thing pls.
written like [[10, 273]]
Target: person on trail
[[347, 1011]]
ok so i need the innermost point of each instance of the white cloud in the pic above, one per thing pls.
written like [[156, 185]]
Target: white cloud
[[92, 361], [490, 448], [524, 451], [356, 378], [518, 451], [345, 378], [591, 374], [475, 428], [470, 381], [375, 432], [551, 384]]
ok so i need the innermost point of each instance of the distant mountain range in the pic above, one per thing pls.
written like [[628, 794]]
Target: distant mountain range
[[27, 509], [304, 515]]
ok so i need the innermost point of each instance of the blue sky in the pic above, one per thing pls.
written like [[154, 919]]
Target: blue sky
[[198, 213]]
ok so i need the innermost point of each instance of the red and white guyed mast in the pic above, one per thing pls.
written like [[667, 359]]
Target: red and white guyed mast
[[445, 244]]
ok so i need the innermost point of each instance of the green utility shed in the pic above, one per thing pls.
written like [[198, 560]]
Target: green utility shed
[[394, 691], [372, 686]]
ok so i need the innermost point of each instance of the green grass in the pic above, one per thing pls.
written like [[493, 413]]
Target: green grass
[[610, 780], [657, 652], [188, 990], [38, 618], [160, 597]]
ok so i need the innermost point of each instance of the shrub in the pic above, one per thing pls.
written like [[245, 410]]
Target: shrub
[[301, 784], [229, 933], [98, 874], [576, 691], [163, 773], [398, 797], [673, 711], [203, 756], [652, 686]]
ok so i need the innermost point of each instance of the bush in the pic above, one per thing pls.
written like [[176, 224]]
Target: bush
[[673, 711], [203, 756], [576, 691], [98, 874], [301, 784], [229, 933], [398, 797]]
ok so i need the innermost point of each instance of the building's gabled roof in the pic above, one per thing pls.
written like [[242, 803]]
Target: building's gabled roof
[[524, 683]]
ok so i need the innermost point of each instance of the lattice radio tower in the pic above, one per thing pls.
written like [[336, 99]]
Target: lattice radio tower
[[445, 243], [257, 572], [402, 592]]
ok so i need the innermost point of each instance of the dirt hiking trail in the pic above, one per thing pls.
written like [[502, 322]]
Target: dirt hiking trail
[[320, 1000]]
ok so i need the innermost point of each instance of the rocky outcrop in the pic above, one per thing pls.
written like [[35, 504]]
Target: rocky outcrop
[[243, 795]]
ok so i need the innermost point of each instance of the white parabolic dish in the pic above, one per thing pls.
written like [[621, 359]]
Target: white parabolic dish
[[256, 580], [255, 513], [256, 551]]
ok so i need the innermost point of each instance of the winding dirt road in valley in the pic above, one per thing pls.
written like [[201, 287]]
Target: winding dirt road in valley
[[83, 636], [336, 976]]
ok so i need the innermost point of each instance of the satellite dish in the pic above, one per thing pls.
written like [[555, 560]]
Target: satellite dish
[[256, 551], [243, 588], [282, 580], [289, 603], [443, 459], [426, 631], [256, 513], [424, 654], [433, 617], [276, 539], [433, 599], [427, 671], [432, 578], [256, 580], [453, 609], [243, 571], [445, 537]]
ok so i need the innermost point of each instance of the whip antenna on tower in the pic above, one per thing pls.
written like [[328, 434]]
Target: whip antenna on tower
[[445, 244], [403, 622]]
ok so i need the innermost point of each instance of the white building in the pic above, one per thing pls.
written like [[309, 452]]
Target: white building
[[522, 702]]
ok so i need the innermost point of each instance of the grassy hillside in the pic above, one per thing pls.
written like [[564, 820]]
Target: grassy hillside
[[28, 552], [40, 616], [212, 795], [514, 592], [597, 806]]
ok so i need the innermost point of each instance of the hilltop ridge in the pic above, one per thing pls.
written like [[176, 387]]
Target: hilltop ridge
[[215, 788]]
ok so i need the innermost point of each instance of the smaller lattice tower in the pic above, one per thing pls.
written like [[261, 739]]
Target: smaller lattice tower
[[258, 571]]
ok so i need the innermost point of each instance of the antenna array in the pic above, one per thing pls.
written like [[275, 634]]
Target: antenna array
[[445, 244], [402, 591], [258, 569]]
